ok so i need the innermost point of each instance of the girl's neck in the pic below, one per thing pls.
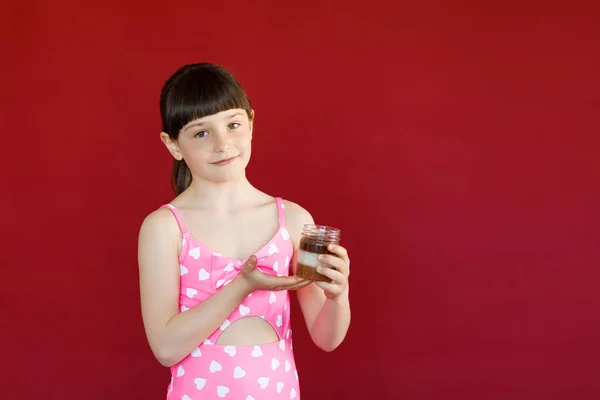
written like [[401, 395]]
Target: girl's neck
[[220, 195]]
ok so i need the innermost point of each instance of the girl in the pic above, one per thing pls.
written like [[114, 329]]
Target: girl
[[214, 263]]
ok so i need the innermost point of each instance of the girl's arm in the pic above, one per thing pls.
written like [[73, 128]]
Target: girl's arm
[[172, 334], [325, 306]]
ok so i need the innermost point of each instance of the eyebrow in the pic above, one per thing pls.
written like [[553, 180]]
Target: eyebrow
[[226, 118]]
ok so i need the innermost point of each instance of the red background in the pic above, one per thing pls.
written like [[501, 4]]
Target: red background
[[455, 145]]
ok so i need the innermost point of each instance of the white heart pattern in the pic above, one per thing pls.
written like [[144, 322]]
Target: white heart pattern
[[282, 345], [285, 234], [274, 364], [276, 266], [238, 372], [180, 371], [182, 270], [207, 341], [288, 366], [203, 275], [263, 382], [220, 283], [279, 387], [196, 352], [222, 391], [279, 321], [250, 398], [293, 393], [296, 373], [272, 249], [195, 253], [288, 334], [184, 308], [244, 310], [287, 262], [225, 324], [214, 367], [257, 352], [191, 292], [230, 350], [185, 397], [200, 382], [228, 268], [272, 298]]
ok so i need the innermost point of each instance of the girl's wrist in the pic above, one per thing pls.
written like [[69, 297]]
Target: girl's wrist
[[242, 285]]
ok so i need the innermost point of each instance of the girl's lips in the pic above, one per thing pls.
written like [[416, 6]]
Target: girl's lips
[[225, 161]]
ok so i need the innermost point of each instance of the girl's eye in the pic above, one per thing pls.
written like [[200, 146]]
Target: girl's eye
[[201, 134], [234, 125]]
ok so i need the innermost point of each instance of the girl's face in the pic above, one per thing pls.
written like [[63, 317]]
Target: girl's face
[[217, 147]]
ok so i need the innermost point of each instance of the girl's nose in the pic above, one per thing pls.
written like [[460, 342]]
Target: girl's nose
[[222, 141]]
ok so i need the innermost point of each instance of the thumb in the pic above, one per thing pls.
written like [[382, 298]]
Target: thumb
[[249, 265]]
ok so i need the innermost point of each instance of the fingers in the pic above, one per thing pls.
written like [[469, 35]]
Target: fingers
[[262, 281], [297, 286], [326, 286], [286, 282], [335, 267], [340, 261], [338, 250], [249, 265], [335, 275], [331, 290], [333, 261]]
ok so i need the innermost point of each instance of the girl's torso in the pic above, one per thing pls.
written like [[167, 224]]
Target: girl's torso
[[215, 369]]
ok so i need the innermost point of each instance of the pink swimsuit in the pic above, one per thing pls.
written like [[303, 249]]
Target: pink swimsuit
[[214, 371]]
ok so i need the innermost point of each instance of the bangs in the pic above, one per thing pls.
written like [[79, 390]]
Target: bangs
[[197, 93]]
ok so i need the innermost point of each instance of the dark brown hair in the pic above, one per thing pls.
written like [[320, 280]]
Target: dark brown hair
[[195, 91]]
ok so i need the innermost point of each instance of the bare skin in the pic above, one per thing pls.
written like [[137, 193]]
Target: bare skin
[[231, 217]]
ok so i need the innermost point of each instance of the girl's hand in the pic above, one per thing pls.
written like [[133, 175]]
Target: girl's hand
[[254, 279], [338, 271]]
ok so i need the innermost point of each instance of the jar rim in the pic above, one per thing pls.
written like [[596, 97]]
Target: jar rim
[[321, 228]]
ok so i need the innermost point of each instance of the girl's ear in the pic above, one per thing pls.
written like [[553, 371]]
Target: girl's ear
[[251, 119], [171, 145]]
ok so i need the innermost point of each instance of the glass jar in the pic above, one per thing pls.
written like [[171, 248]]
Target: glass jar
[[314, 241]]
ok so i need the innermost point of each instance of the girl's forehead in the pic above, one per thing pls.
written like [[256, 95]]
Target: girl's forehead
[[218, 117]]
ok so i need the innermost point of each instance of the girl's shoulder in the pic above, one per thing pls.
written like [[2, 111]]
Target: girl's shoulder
[[159, 224], [296, 217], [295, 210]]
